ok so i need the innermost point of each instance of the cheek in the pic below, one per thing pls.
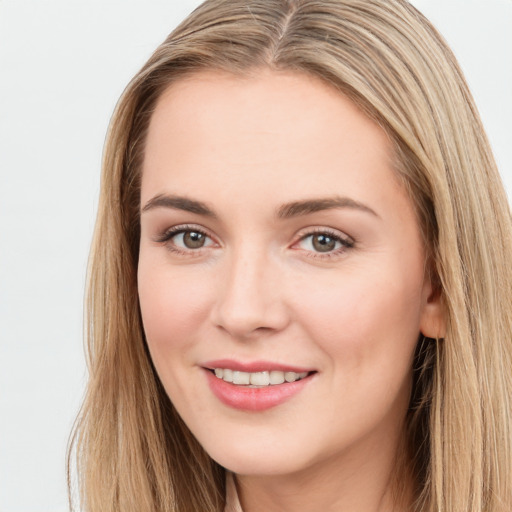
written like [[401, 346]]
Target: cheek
[[365, 320], [173, 306]]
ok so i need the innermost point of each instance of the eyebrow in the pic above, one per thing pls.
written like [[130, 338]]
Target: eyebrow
[[299, 208], [179, 203], [286, 211]]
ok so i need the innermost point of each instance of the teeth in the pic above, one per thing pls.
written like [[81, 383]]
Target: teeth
[[260, 379], [290, 376], [241, 378], [276, 377], [257, 378]]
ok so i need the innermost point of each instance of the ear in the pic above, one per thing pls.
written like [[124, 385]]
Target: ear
[[433, 314]]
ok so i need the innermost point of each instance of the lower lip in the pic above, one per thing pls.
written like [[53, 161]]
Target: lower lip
[[254, 399]]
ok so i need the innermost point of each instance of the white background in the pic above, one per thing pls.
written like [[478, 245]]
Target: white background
[[63, 64]]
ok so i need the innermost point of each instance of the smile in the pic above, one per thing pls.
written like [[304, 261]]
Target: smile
[[256, 386], [258, 379]]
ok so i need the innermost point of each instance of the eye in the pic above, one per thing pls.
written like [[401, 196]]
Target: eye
[[185, 239], [324, 242], [190, 239]]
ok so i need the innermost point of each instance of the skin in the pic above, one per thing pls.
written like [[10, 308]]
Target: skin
[[260, 290]]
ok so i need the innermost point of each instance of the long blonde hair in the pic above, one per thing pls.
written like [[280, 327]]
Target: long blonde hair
[[134, 454]]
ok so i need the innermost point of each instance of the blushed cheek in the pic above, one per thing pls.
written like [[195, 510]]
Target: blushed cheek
[[333, 315], [172, 308], [363, 318]]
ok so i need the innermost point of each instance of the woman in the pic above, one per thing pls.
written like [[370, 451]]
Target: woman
[[299, 286]]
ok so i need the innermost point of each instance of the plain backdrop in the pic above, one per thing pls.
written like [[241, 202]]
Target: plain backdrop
[[63, 64]]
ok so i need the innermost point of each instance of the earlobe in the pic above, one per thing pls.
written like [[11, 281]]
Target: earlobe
[[433, 316]]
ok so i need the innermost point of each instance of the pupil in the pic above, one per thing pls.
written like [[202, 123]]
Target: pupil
[[323, 243], [193, 239]]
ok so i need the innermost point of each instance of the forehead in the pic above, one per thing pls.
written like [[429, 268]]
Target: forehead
[[272, 133]]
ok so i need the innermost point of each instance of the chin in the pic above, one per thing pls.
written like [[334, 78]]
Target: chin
[[270, 457], [256, 465]]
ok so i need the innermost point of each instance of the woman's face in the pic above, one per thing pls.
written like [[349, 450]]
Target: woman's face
[[277, 245]]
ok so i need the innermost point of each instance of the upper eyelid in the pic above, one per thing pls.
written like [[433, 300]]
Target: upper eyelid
[[302, 234], [181, 228], [165, 239]]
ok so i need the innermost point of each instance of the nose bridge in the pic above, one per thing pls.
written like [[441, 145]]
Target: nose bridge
[[250, 298]]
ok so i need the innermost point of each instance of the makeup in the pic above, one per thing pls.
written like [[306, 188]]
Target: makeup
[[284, 326], [253, 397]]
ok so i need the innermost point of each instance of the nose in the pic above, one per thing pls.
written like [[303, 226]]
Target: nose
[[250, 299]]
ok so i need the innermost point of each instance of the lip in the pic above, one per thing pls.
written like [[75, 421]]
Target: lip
[[254, 399], [254, 366]]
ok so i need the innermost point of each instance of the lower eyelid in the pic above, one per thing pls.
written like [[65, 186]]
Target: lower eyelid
[[166, 237]]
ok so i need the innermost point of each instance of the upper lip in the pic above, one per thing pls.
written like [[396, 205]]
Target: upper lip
[[254, 366]]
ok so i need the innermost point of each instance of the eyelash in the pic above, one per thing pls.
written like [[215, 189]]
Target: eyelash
[[345, 242], [168, 235]]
